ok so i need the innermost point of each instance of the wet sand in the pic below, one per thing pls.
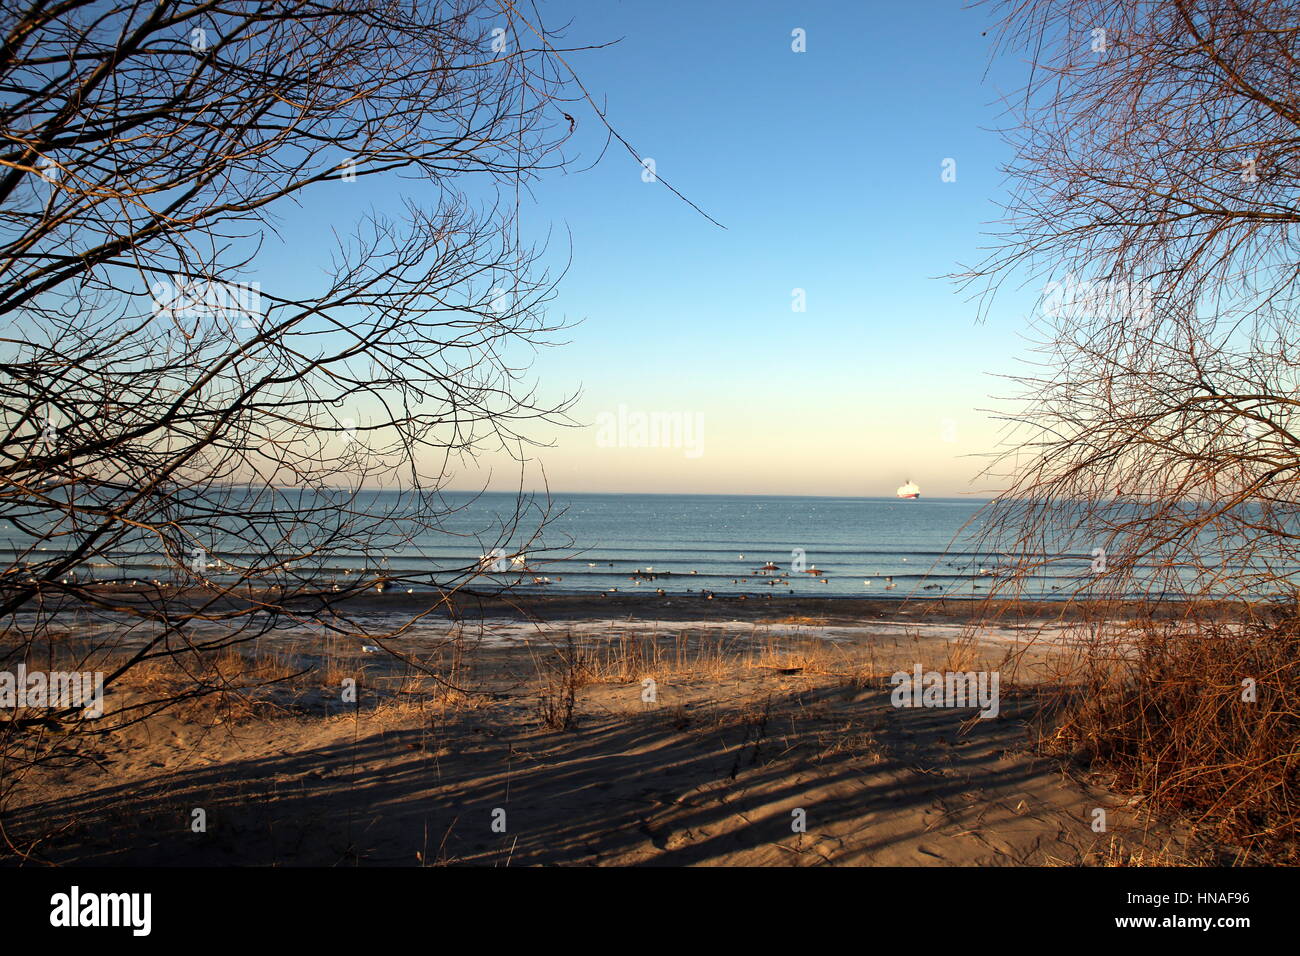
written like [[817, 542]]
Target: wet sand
[[646, 605]]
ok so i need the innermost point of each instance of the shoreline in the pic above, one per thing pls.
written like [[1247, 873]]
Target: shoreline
[[831, 609], [568, 606]]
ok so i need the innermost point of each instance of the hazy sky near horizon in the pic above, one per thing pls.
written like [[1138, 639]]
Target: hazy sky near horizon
[[825, 167]]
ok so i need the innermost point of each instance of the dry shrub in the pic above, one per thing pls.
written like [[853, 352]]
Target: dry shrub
[[561, 675], [1168, 712], [209, 689]]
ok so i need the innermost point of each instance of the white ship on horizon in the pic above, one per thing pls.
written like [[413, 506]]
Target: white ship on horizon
[[909, 490]]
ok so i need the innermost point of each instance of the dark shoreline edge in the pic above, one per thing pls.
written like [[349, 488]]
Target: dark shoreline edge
[[828, 610], [760, 608]]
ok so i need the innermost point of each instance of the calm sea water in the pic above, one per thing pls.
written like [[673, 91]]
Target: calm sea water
[[860, 547], [866, 547]]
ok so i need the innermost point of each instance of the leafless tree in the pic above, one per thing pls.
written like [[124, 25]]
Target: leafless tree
[[1156, 178], [166, 396], [1152, 446]]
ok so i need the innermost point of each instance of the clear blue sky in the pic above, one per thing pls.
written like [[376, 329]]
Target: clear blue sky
[[825, 167]]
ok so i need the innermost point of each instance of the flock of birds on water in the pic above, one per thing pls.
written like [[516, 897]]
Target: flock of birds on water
[[769, 570]]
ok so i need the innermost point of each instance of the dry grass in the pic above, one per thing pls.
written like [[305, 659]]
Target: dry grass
[[212, 688], [706, 655], [1166, 710], [635, 655]]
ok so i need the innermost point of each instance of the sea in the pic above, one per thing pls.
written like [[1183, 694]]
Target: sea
[[586, 543]]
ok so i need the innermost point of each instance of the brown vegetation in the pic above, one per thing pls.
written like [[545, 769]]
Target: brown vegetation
[[1152, 444]]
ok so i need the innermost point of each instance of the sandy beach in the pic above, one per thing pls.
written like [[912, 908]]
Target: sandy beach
[[551, 734]]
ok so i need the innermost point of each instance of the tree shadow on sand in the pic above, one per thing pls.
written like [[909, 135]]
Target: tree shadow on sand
[[718, 785]]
